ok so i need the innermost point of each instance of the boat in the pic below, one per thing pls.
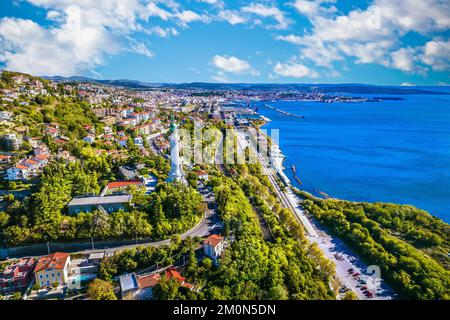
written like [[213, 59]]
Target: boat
[[298, 180], [294, 170]]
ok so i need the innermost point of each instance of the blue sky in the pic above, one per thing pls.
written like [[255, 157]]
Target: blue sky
[[292, 41]]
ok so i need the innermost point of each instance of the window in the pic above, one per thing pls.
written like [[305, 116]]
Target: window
[[53, 275], [40, 276]]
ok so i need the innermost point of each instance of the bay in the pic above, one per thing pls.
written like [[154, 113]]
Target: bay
[[390, 151]]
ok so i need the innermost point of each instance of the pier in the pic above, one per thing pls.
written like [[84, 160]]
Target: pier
[[284, 112]]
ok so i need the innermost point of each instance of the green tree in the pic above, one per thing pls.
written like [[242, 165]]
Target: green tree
[[101, 290]]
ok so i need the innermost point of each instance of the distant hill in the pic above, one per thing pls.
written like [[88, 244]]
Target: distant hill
[[354, 88]]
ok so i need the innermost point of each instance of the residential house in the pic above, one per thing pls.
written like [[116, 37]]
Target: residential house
[[5, 115], [89, 138], [138, 287], [41, 159], [51, 131], [17, 275], [18, 172], [128, 286], [172, 273], [52, 268], [10, 141], [128, 173], [213, 246], [138, 141], [202, 175], [122, 141], [122, 185], [5, 158]]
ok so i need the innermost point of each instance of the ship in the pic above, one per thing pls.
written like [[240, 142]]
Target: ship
[[294, 170]]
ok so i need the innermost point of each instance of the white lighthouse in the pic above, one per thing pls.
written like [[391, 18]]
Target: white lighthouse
[[176, 170]]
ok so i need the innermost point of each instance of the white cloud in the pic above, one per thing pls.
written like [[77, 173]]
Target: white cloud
[[232, 17], [404, 59], [163, 32], [313, 7], [187, 16], [142, 49], [436, 53], [220, 77], [294, 70], [83, 35], [268, 12], [292, 38], [218, 3], [373, 35], [231, 64], [154, 11], [407, 84]]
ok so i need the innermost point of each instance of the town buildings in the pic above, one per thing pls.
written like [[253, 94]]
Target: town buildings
[[17, 275]]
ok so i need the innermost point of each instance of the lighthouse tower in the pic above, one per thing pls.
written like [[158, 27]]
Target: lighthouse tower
[[176, 171]]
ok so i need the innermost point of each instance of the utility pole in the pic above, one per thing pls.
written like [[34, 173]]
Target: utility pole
[[92, 242], [48, 248]]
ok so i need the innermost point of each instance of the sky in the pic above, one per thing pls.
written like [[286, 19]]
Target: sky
[[402, 42]]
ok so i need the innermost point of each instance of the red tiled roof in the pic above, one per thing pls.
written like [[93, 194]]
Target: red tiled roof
[[4, 157], [56, 260], [41, 156], [21, 166], [31, 161], [123, 184], [172, 273], [148, 281], [213, 240]]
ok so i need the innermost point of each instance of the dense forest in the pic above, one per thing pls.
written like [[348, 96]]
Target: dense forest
[[408, 244]]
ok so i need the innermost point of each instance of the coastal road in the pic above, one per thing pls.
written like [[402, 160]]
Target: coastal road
[[332, 247]]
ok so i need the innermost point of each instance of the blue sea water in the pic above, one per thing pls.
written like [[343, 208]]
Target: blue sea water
[[389, 151]]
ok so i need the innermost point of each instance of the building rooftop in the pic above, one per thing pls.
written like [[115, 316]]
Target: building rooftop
[[96, 201], [56, 260], [213, 240], [128, 282]]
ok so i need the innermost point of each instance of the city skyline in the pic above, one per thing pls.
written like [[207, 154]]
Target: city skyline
[[320, 41]]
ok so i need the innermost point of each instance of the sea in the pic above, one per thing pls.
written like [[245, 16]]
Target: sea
[[394, 151]]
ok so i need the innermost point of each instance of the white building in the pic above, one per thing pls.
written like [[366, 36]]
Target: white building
[[213, 246], [18, 172], [52, 268]]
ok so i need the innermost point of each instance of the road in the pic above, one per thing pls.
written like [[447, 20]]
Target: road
[[332, 247], [202, 229]]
